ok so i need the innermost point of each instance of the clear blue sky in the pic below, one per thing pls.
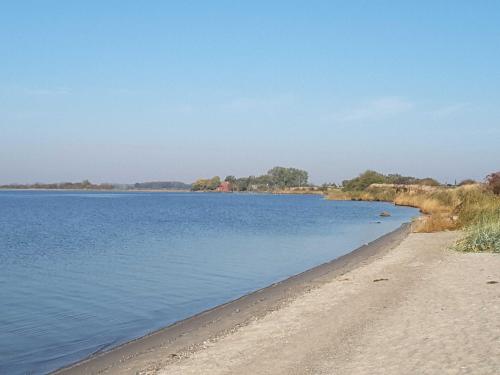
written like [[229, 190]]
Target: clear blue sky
[[126, 91]]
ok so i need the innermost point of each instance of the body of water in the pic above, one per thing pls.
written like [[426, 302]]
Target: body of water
[[81, 272]]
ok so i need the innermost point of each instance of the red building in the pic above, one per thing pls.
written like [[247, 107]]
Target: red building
[[224, 187]]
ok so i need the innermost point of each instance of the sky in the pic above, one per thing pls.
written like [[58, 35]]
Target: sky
[[127, 91]]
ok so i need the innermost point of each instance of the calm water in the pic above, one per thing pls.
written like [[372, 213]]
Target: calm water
[[81, 272]]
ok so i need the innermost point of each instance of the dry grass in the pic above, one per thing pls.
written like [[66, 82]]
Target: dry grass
[[427, 204], [298, 190], [441, 206], [339, 195], [434, 223], [471, 206]]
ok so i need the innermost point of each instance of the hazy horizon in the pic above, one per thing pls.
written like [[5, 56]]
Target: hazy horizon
[[125, 92], [222, 176]]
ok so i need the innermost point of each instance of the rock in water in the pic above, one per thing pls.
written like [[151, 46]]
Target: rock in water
[[385, 214]]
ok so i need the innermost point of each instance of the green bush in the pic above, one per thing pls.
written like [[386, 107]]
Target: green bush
[[483, 236], [364, 180]]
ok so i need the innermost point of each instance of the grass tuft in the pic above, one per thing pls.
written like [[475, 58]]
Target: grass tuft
[[435, 223]]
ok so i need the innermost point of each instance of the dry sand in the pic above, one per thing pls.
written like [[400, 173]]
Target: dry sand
[[432, 311]]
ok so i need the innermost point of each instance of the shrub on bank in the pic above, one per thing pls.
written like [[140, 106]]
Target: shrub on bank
[[493, 181], [482, 236], [479, 214]]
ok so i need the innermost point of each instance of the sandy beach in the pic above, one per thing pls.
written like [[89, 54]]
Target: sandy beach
[[420, 309], [410, 305]]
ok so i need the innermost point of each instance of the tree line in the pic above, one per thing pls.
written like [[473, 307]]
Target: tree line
[[369, 177], [158, 185], [275, 178], [365, 179], [87, 185], [84, 185]]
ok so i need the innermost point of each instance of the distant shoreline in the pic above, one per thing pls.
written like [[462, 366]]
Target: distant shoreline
[[102, 190], [278, 192]]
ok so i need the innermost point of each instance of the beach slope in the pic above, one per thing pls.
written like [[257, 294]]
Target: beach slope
[[419, 308]]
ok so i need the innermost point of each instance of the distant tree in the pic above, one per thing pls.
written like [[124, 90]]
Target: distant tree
[[264, 182], [214, 183], [200, 184], [241, 184], [172, 185], [328, 185], [467, 181], [428, 181], [288, 177], [400, 180], [86, 184], [493, 182], [277, 177], [364, 180]]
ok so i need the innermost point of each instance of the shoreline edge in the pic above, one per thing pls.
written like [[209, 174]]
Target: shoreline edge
[[158, 347]]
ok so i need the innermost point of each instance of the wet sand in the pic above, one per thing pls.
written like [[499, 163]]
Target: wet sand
[[403, 305]]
